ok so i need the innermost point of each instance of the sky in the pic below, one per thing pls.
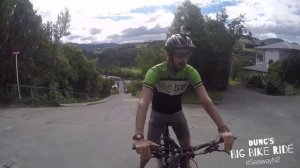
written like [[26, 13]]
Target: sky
[[121, 21]]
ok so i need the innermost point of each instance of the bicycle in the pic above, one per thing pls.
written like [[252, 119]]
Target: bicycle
[[171, 155]]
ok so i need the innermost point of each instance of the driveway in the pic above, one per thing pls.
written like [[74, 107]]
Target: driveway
[[100, 135]]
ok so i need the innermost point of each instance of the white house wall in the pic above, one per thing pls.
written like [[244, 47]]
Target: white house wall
[[271, 54]]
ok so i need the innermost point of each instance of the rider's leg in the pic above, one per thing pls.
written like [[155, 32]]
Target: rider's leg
[[182, 132], [186, 143], [155, 128], [143, 163]]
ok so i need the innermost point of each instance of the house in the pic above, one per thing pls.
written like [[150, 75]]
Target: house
[[265, 55], [271, 53]]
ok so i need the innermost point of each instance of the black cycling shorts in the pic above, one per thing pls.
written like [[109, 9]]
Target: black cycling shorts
[[158, 121]]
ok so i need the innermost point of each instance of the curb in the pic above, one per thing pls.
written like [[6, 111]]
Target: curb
[[88, 103]]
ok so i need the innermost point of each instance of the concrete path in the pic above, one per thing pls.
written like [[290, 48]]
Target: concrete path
[[100, 135]]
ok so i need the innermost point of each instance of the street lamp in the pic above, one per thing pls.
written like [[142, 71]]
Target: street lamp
[[16, 53]]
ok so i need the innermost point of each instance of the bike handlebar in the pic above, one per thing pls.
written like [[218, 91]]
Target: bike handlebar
[[159, 152]]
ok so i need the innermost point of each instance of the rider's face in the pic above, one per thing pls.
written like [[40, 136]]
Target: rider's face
[[181, 57]]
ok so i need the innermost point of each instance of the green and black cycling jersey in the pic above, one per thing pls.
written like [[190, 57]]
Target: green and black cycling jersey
[[168, 86]]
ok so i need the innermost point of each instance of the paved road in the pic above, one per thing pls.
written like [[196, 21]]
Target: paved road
[[99, 136]]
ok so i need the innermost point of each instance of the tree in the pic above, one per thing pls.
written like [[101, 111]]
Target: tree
[[189, 16], [55, 31], [222, 16], [214, 41], [292, 68], [275, 78], [237, 64], [237, 28], [22, 32], [149, 55], [5, 15], [122, 55], [61, 28], [81, 73], [41, 61]]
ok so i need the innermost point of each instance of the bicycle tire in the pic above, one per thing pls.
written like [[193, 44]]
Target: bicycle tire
[[168, 142], [172, 163], [161, 163]]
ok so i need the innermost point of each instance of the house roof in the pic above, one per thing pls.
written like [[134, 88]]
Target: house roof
[[281, 45], [258, 68]]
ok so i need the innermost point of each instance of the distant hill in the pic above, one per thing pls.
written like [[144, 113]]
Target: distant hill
[[271, 41], [113, 54], [93, 47]]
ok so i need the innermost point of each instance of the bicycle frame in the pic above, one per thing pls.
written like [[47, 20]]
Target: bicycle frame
[[169, 143], [171, 155]]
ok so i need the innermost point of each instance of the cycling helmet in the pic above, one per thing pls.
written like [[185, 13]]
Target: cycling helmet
[[177, 41]]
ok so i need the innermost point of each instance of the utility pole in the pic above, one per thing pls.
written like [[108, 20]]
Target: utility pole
[[16, 53]]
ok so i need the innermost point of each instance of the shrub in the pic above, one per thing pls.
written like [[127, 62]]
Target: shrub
[[237, 63], [134, 87], [275, 78], [292, 69], [257, 81]]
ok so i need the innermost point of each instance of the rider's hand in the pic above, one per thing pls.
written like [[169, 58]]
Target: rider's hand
[[142, 147], [228, 138]]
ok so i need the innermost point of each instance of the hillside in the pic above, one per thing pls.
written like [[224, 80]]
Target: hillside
[[248, 44], [113, 54], [123, 55], [93, 47]]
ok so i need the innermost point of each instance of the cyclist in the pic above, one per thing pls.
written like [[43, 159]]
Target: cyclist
[[163, 85]]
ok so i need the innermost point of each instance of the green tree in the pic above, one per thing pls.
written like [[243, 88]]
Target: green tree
[[216, 57], [61, 28], [237, 64], [275, 78], [292, 68], [149, 55], [22, 32], [238, 29], [82, 72], [41, 61], [214, 41], [189, 16], [55, 31], [5, 15]]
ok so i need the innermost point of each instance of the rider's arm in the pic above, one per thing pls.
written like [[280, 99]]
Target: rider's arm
[[145, 99], [209, 106], [212, 111]]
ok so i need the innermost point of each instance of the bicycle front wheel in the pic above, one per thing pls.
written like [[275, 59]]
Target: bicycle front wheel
[[168, 163]]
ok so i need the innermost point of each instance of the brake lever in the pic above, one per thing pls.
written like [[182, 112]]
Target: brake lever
[[209, 150]]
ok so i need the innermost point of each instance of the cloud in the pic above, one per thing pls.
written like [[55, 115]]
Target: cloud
[[141, 38], [73, 37], [79, 38], [217, 6], [268, 19], [115, 17], [89, 39], [153, 19], [140, 34], [143, 31], [154, 8], [128, 19], [94, 31], [286, 32]]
